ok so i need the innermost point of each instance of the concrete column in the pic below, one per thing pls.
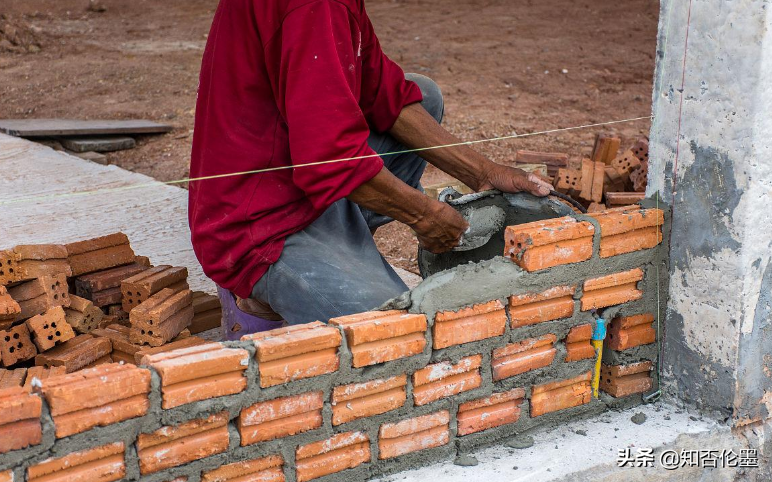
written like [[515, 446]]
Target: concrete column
[[711, 158]]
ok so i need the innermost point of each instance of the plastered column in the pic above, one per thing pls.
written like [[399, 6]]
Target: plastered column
[[711, 151]]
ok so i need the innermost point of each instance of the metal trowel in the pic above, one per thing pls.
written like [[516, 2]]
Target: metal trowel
[[484, 222]]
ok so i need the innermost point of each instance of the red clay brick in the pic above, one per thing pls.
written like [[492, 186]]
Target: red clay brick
[[623, 198], [207, 312], [605, 148], [40, 374], [628, 231], [380, 336], [613, 289], [9, 309], [350, 402], [598, 176], [266, 469], [414, 434], [444, 379], [27, 262], [340, 452], [288, 354], [631, 331], [100, 253], [568, 181], [12, 378], [104, 287], [6, 476], [625, 380], [75, 354], [544, 244], [199, 372], [172, 446], [82, 315], [523, 356], [40, 295], [141, 286], [625, 163], [100, 464], [50, 328], [489, 412], [96, 397], [532, 308], [280, 417], [578, 346], [16, 345], [20, 425], [466, 325], [554, 396], [177, 344], [161, 318]]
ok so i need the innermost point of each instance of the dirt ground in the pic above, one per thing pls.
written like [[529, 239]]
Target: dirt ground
[[505, 66]]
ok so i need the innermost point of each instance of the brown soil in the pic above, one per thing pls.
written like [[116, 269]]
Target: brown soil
[[505, 67]]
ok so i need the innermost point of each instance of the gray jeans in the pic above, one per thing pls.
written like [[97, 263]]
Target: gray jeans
[[332, 267]]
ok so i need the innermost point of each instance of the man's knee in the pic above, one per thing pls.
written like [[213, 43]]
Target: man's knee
[[432, 102]]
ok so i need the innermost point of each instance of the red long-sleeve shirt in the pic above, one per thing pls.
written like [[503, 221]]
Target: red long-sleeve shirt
[[283, 82]]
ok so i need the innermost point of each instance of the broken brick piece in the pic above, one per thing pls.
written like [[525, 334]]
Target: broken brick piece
[[27, 262], [414, 434], [20, 425], [470, 324], [340, 452], [631, 331], [36, 375], [100, 464], [100, 253], [199, 372], [96, 397], [630, 230], [40, 295], [543, 244], [76, 353], [613, 289], [296, 352], [50, 328], [16, 345], [280, 417], [551, 304], [9, 309], [177, 445], [12, 378], [625, 380], [523, 356], [623, 198], [381, 336], [142, 286], [160, 318], [82, 315], [207, 312], [489, 412], [553, 160], [554, 396], [444, 379], [358, 400], [265, 469], [104, 287], [639, 178], [578, 346]]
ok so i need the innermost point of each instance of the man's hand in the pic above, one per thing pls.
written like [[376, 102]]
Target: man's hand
[[510, 179], [439, 228]]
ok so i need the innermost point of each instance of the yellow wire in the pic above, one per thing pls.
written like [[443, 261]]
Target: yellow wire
[[318, 163]]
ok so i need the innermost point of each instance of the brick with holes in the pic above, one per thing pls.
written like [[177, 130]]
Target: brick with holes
[[12, 378], [103, 288], [101, 464], [568, 181], [340, 452], [625, 380], [625, 231], [630, 331], [20, 425], [523, 356], [82, 315], [50, 328], [40, 295], [588, 175], [605, 148], [358, 400], [296, 352], [145, 284], [544, 244], [625, 163], [614, 199], [578, 346], [79, 352], [16, 345], [182, 341], [414, 434], [36, 375], [559, 395], [613, 289], [280, 417], [381, 336], [490, 412], [9, 309], [552, 304], [27, 262], [160, 318], [207, 312], [265, 469], [474, 323], [444, 379], [100, 253]]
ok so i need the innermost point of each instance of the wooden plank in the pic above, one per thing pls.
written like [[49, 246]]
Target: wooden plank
[[98, 144], [76, 127]]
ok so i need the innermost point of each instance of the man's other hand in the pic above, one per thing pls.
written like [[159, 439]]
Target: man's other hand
[[440, 227], [510, 179]]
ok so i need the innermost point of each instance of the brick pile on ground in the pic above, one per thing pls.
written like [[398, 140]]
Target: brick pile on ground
[[487, 351], [69, 307]]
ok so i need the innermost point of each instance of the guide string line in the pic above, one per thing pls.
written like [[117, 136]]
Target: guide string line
[[58, 196]]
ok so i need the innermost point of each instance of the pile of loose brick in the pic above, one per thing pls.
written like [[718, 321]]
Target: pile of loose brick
[[607, 178], [365, 394], [68, 307]]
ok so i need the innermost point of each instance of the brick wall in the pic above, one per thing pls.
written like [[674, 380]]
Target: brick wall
[[471, 356]]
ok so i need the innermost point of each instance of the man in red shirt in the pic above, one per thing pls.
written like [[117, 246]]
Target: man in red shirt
[[291, 82]]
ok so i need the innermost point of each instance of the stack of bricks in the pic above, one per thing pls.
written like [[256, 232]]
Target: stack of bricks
[[371, 393]]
